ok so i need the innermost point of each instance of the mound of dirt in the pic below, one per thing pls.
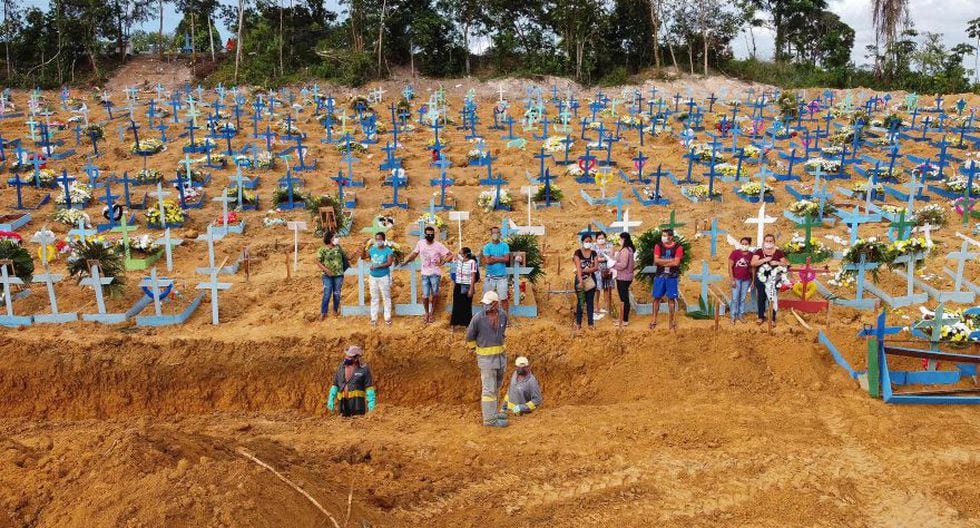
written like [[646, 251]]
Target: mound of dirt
[[145, 72]]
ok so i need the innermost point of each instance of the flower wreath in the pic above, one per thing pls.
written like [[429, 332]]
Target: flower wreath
[[775, 279]]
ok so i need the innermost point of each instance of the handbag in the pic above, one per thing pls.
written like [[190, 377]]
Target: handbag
[[587, 284]]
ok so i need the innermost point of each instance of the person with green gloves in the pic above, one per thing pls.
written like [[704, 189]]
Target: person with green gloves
[[352, 391], [524, 393]]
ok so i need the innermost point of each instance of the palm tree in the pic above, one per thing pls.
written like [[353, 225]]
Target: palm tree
[[887, 15], [973, 30]]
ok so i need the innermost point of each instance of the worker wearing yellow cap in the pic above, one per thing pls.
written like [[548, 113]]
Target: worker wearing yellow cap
[[524, 393]]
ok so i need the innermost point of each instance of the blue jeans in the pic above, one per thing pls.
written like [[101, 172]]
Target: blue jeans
[[430, 285], [740, 295], [331, 288]]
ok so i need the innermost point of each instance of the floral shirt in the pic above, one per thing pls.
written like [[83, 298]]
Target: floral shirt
[[333, 259]]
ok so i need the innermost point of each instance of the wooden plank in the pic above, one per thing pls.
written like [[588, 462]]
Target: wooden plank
[[925, 354]]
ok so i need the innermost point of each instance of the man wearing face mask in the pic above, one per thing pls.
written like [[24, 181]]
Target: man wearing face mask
[[434, 255], [524, 393], [352, 392], [667, 257], [496, 256], [485, 336]]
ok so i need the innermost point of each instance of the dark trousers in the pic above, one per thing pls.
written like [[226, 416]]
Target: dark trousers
[[586, 298], [623, 288], [761, 301]]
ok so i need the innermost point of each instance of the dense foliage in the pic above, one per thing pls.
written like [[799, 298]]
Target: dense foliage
[[592, 41]]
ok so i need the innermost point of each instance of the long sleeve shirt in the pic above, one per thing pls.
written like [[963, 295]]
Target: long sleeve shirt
[[487, 340], [523, 391], [624, 264]]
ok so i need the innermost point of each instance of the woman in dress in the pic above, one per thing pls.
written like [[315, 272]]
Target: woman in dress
[[465, 277]]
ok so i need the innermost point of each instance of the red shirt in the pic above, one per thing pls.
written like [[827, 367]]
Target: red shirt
[[776, 255], [677, 252], [741, 263]]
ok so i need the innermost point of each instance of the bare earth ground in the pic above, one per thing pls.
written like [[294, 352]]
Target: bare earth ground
[[119, 426]]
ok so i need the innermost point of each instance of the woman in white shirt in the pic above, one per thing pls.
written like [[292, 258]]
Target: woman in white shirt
[[465, 277]]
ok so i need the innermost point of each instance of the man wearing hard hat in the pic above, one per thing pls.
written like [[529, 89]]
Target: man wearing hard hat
[[524, 394], [485, 336]]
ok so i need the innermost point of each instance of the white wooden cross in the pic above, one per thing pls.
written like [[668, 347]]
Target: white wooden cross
[[215, 286], [761, 220], [168, 244], [625, 223], [210, 237], [8, 280], [296, 227], [529, 229], [96, 282], [156, 285], [926, 230], [459, 217]]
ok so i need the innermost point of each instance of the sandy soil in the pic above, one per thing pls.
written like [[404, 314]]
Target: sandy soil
[[126, 426]]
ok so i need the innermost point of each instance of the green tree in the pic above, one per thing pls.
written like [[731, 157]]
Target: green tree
[[973, 30]]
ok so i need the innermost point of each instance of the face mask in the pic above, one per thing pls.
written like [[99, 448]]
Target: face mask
[[587, 245], [601, 242], [348, 361], [522, 371], [495, 237], [430, 236], [769, 245], [379, 243], [335, 241], [743, 247]]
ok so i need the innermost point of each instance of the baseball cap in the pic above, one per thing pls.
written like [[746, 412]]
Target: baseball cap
[[489, 297]]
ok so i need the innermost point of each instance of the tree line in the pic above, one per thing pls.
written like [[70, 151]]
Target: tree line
[[591, 41]]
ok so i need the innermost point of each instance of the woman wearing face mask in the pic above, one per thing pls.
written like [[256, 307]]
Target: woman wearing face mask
[[767, 254], [623, 264], [332, 262], [465, 276], [379, 280], [585, 285], [605, 280]]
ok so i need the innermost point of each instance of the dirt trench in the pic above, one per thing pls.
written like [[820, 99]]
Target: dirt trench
[[117, 377]]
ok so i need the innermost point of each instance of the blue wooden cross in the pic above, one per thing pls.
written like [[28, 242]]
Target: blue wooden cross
[[713, 235], [861, 268], [66, 182], [705, 278], [855, 219], [442, 181]]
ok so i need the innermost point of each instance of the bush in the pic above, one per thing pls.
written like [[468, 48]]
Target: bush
[[346, 67], [618, 76]]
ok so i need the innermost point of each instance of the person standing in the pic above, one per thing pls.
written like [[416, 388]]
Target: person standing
[[740, 274], [624, 264], [667, 255], [604, 278], [352, 392], [496, 256], [466, 275], [434, 255], [766, 291], [585, 285], [382, 257], [524, 393], [332, 262], [485, 335]]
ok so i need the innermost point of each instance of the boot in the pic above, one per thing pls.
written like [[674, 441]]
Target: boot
[[497, 423]]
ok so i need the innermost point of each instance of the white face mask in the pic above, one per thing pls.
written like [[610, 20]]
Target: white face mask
[[743, 247], [588, 245], [601, 242], [335, 241], [769, 245], [379, 243]]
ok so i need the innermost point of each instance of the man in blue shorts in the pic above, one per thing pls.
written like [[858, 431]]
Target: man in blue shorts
[[667, 259]]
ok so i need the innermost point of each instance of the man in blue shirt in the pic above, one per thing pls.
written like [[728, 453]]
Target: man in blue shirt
[[496, 256], [379, 281]]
